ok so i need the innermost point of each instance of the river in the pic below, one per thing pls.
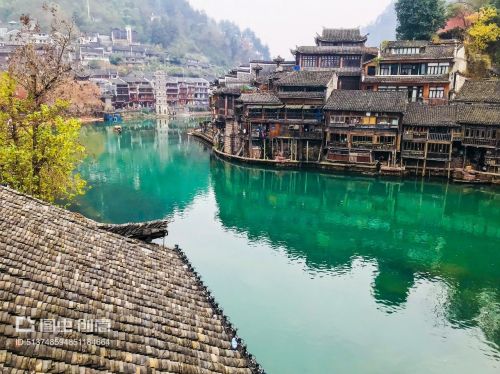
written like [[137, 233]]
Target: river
[[320, 273]]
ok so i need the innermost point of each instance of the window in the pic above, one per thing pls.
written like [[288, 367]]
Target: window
[[438, 68], [341, 138], [405, 51], [330, 61], [309, 61], [385, 69], [410, 69], [351, 61], [389, 69], [413, 146], [387, 88], [362, 139], [371, 70], [386, 139], [436, 93]]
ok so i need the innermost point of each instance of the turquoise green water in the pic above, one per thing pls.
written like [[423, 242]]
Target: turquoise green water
[[320, 273]]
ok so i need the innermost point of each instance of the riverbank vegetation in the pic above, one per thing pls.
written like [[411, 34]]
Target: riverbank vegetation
[[39, 146]]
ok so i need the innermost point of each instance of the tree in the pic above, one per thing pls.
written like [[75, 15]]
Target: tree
[[39, 148], [484, 31], [83, 97], [115, 59], [419, 19]]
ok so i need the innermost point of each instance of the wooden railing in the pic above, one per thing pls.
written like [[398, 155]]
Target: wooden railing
[[480, 142], [410, 154], [439, 137]]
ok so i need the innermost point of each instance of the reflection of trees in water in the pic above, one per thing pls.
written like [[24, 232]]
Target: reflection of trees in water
[[411, 229], [146, 172]]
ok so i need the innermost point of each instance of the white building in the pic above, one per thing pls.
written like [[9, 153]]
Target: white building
[[160, 89]]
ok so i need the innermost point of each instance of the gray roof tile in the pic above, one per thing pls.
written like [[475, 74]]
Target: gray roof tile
[[479, 115], [305, 78], [55, 264], [259, 98], [369, 101], [480, 91], [341, 35], [418, 114]]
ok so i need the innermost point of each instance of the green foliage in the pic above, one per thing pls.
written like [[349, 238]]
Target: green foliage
[[484, 30], [39, 148], [115, 59], [419, 19], [172, 24]]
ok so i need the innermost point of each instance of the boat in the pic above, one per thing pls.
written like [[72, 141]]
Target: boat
[[112, 117]]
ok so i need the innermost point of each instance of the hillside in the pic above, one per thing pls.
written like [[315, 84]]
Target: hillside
[[383, 28], [173, 24]]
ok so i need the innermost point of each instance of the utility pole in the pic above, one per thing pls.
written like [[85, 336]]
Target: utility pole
[[88, 9]]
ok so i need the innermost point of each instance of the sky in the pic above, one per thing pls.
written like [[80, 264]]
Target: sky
[[284, 24]]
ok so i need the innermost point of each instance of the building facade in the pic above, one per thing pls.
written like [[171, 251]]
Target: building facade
[[429, 72], [363, 127], [339, 50]]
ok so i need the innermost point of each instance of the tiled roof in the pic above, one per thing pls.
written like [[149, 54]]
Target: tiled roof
[[306, 78], [228, 91], [430, 52], [151, 306], [479, 114], [339, 50], [341, 35], [480, 91], [406, 43], [406, 78], [431, 115], [301, 95], [367, 101], [259, 98]]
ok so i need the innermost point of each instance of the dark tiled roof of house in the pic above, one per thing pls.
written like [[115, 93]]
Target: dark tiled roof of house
[[235, 91], [480, 91], [479, 115], [431, 115], [259, 98], [367, 101], [429, 52], [406, 78], [150, 304], [406, 43], [337, 50], [301, 95], [341, 35], [305, 78]]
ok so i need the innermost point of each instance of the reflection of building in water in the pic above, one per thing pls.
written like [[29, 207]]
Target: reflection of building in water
[[411, 230], [162, 137]]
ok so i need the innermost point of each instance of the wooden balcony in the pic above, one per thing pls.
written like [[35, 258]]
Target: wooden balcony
[[439, 137], [489, 143], [438, 156], [412, 154], [373, 146], [415, 136]]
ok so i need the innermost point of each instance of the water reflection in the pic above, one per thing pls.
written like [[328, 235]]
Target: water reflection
[[147, 172], [411, 230]]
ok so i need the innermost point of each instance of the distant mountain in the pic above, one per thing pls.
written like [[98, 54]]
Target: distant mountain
[[383, 28], [173, 24]]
